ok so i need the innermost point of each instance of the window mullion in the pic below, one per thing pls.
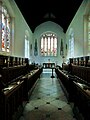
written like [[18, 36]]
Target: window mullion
[[49, 47]]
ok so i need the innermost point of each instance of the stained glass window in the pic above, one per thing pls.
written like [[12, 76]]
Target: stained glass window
[[5, 38], [26, 47], [49, 44], [71, 45], [89, 35]]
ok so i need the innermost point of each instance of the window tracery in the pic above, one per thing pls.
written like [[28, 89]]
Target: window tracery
[[49, 44]]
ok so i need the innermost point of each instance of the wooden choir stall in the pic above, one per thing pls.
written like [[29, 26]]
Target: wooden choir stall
[[17, 80], [75, 81]]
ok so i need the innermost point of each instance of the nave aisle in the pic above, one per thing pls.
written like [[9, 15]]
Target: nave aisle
[[47, 101]]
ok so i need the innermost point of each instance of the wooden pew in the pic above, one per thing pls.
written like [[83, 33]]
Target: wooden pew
[[80, 96], [15, 90]]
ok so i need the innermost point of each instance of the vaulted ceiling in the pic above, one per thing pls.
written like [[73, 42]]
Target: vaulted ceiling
[[36, 12]]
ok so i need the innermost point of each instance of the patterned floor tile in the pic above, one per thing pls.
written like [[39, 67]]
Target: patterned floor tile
[[48, 101]]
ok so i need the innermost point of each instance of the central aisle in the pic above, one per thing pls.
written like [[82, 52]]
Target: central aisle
[[47, 101]]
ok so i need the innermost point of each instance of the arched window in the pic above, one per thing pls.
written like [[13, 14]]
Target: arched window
[[6, 30], [88, 35], [49, 44], [26, 47], [71, 44]]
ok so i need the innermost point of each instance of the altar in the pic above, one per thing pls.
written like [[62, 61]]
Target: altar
[[49, 66]]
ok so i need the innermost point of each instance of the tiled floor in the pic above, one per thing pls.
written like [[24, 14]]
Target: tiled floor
[[47, 101]]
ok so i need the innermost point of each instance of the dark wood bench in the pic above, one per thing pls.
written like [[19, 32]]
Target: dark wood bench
[[17, 82], [72, 82]]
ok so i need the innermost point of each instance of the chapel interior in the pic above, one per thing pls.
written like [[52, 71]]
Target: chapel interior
[[44, 66]]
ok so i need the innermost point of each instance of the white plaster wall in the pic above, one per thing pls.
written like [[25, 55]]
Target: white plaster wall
[[19, 28], [46, 27], [77, 25]]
